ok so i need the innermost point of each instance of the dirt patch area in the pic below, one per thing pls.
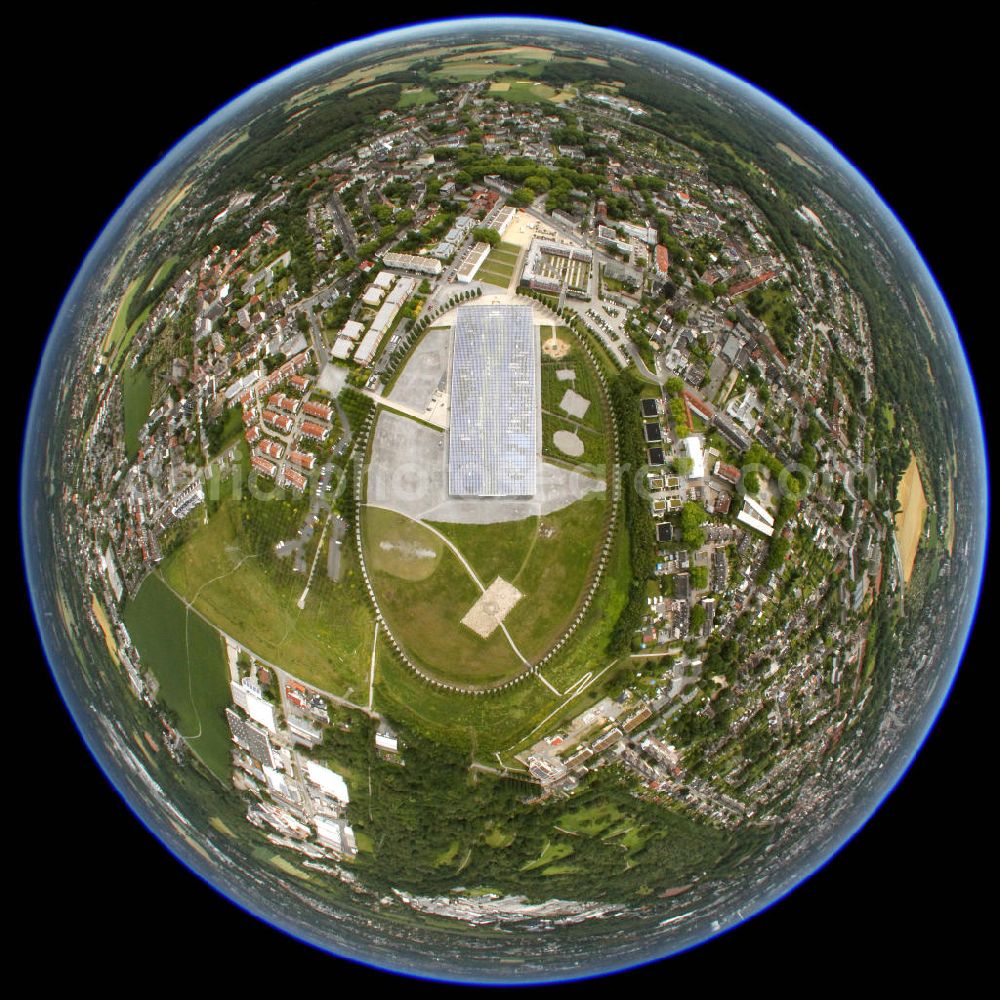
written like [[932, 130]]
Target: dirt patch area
[[910, 520], [485, 616], [554, 347], [568, 443]]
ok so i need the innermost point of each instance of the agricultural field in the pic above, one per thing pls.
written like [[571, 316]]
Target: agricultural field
[[524, 91], [186, 656], [910, 519], [162, 273], [466, 69], [115, 337]]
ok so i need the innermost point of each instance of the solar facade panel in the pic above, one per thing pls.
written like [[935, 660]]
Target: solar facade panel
[[495, 403]]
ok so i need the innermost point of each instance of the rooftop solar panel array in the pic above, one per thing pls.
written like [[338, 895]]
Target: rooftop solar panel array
[[495, 401]]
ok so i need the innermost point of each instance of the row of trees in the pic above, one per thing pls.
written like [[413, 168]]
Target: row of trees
[[625, 391]]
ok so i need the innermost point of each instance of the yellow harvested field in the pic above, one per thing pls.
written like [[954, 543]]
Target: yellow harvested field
[[177, 195], [220, 826], [910, 520], [499, 86], [534, 52], [102, 619]]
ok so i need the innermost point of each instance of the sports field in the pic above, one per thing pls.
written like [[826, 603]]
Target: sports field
[[187, 658], [910, 520]]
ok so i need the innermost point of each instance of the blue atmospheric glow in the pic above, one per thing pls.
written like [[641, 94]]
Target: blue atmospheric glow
[[187, 149]]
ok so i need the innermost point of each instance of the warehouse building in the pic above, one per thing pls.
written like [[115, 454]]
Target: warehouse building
[[494, 439]]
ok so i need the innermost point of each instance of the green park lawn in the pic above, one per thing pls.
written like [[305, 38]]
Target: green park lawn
[[493, 549], [556, 573], [415, 98], [425, 616], [238, 584]]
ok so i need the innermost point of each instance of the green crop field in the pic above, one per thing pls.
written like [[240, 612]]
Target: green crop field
[[138, 395], [117, 332], [162, 273], [523, 91], [186, 656], [122, 346], [467, 70], [248, 593]]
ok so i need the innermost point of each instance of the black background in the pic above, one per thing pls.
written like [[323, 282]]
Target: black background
[[110, 94]]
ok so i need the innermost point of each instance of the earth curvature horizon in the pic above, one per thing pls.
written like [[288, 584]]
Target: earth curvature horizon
[[504, 501]]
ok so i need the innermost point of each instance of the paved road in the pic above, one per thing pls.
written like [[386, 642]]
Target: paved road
[[344, 225], [389, 404]]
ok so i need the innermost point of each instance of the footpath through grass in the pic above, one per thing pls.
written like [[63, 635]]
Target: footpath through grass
[[236, 581]]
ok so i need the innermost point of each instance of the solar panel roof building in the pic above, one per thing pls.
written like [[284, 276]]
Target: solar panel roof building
[[494, 438]]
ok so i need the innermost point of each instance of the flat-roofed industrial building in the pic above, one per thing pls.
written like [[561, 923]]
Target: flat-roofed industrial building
[[494, 438]]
